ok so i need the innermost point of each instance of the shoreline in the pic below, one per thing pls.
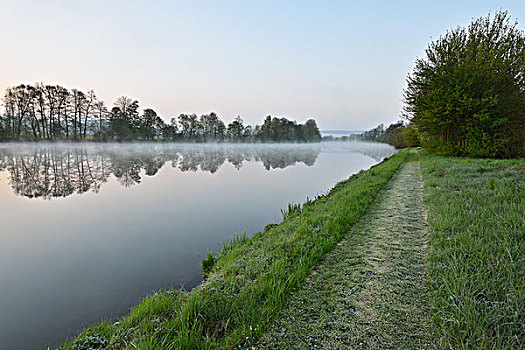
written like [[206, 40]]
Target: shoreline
[[250, 278], [474, 210]]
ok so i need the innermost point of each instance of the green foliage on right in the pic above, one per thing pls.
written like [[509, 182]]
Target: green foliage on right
[[397, 134], [410, 136], [467, 96], [477, 256]]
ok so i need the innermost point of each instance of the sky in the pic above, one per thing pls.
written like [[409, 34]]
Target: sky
[[343, 63]]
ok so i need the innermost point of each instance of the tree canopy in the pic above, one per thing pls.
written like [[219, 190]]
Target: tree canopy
[[52, 112], [467, 96], [396, 134]]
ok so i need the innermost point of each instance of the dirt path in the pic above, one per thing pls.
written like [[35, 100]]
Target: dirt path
[[370, 292]]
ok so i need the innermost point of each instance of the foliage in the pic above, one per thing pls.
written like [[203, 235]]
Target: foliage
[[376, 134], [236, 129], [411, 136], [252, 277], [397, 135], [477, 260], [48, 112], [284, 130], [292, 211], [207, 264], [91, 342], [467, 96]]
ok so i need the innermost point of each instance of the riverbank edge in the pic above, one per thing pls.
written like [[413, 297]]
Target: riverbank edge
[[249, 279]]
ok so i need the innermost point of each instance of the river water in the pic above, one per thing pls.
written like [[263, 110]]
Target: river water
[[86, 231]]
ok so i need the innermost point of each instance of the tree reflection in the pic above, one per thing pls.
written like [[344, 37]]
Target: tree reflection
[[60, 171], [47, 174]]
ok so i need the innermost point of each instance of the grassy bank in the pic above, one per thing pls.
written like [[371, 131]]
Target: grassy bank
[[477, 259], [371, 291], [250, 279]]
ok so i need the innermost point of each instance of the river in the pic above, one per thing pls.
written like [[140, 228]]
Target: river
[[87, 230]]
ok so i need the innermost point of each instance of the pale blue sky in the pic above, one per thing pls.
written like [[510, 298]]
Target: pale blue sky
[[343, 63]]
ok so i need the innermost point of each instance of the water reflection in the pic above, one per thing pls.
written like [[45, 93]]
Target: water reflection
[[93, 256], [374, 150], [49, 171]]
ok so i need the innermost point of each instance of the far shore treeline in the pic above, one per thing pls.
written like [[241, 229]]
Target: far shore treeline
[[52, 112], [399, 135]]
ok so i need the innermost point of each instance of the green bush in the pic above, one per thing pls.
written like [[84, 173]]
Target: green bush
[[467, 97]]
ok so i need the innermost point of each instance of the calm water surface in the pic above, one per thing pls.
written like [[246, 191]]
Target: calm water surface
[[88, 230]]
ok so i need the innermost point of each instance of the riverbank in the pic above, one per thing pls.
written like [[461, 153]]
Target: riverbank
[[250, 280], [395, 283], [463, 272]]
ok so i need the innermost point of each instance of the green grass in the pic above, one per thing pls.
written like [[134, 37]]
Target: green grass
[[371, 290], [476, 211], [249, 280], [476, 265]]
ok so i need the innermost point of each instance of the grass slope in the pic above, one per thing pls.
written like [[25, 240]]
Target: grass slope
[[476, 209], [250, 279]]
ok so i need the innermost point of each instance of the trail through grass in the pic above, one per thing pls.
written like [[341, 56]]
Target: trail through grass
[[371, 291]]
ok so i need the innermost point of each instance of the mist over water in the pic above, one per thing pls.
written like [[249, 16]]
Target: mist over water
[[60, 170], [89, 229]]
